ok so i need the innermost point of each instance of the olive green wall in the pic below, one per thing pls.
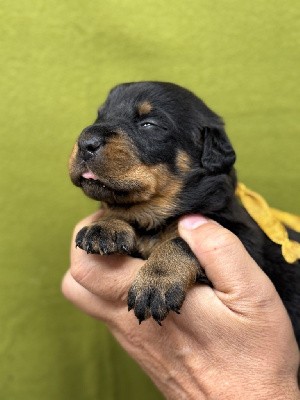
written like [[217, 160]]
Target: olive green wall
[[58, 60]]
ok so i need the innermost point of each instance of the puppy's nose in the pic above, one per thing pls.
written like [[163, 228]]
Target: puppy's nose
[[89, 146]]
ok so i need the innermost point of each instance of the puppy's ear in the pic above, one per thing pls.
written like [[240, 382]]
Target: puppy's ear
[[217, 154]]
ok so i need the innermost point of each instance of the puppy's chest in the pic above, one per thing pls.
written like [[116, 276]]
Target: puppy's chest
[[147, 242]]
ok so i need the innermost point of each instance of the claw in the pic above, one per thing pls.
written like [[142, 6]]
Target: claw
[[104, 251], [124, 248], [80, 236], [78, 243], [131, 299]]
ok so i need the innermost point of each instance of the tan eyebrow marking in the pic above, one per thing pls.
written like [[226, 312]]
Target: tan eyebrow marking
[[144, 108]]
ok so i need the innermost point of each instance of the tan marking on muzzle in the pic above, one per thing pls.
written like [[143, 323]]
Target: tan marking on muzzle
[[159, 199], [72, 158], [119, 155]]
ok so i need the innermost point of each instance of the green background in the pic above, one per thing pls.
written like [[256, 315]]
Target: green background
[[58, 60]]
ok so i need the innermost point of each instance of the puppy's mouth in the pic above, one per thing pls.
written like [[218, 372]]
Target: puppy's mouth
[[99, 189], [91, 179]]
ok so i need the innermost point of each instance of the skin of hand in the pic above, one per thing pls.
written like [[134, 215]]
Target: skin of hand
[[232, 341]]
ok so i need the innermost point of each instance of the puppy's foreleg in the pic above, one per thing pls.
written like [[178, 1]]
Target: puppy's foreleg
[[162, 283]]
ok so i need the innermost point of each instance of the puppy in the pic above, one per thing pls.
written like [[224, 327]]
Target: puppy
[[155, 153]]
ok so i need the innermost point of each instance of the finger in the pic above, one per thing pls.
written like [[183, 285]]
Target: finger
[[83, 299], [226, 262], [109, 312], [109, 277]]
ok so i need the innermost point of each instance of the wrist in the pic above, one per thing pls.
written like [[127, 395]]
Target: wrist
[[188, 380], [251, 389], [192, 389]]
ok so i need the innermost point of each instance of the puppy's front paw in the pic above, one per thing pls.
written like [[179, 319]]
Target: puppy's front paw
[[107, 237], [154, 293]]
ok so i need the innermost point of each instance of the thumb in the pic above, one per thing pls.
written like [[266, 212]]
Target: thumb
[[225, 260]]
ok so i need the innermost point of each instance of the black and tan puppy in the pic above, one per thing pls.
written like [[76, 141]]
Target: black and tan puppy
[[155, 153]]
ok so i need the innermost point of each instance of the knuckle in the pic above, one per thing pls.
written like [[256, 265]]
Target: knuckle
[[79, 273]]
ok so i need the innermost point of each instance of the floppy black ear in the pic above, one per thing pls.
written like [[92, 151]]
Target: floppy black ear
[[217, 155]]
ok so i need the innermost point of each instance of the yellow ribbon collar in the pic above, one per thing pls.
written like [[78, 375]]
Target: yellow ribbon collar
[[273, 222]]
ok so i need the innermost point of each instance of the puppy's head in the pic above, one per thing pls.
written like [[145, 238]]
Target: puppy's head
[[149, 141]]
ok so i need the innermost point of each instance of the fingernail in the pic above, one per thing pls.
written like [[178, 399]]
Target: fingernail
[[193, 221]]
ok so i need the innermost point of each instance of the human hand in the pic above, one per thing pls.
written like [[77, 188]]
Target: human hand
[[234, 341]]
